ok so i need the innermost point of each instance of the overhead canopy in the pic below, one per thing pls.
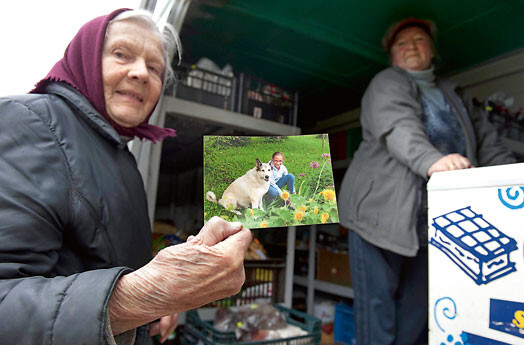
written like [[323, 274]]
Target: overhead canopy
[[329, 50]]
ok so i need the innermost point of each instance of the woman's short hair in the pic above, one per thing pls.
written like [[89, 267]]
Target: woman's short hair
[[168, 36], [389, 36]]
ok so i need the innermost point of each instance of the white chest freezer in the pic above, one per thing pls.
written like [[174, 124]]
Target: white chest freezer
[[476, 256]]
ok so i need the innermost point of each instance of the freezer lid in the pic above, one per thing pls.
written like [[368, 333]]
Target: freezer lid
[[494, 176]]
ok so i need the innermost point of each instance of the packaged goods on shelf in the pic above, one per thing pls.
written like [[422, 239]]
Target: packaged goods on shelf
[[509, 125], [262, 283], [325, 311], [256, 251], [265, 100], [205, 83]]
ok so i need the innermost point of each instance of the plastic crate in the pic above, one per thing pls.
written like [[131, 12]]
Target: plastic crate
[[344, 324], [204, 87], [198, 331], [262, 283], [264, 100]]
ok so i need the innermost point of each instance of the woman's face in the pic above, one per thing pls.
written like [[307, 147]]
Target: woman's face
[[277, 161], [132, 69], [412, 49]]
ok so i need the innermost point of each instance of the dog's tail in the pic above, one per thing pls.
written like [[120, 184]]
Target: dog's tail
[[211, 196]]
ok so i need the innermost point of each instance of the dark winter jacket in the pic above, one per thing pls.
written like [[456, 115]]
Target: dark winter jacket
[[73, 218]]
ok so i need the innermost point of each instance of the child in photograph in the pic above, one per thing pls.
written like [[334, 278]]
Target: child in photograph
[[279, 178]]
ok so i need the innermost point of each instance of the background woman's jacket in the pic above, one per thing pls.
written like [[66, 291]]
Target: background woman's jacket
[[378, 197], [73, 218]]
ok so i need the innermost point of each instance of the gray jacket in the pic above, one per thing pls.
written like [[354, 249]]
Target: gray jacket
[[378, 196], [73, 219]]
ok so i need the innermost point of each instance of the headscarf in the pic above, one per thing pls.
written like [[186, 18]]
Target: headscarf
[[81, 67]]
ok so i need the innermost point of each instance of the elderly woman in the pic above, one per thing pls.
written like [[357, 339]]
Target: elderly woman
[[75, 237], [413, 124]]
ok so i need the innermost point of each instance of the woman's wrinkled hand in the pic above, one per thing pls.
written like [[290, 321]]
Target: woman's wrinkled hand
[[453, 161], [208, 267]]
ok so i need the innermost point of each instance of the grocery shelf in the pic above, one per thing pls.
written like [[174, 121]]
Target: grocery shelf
[[335, 289], [311, 283], [225, 118]]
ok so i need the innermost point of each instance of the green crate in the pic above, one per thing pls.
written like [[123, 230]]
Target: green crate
[[197, 330]]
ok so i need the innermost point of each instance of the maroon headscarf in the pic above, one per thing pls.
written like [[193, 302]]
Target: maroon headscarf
[[81, 67]]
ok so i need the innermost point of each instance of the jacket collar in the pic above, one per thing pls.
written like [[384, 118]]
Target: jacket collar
[[86, 111]]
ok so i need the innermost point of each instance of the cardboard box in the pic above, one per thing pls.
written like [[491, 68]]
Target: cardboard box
[[333, 267], [476, 267]]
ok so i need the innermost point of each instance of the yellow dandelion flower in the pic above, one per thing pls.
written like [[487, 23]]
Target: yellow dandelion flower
[[299, 215], [263, 225], [310, 200], [329, 194], [252, 212], [302, 208], [316, 210], [285, 195], [324, 217]]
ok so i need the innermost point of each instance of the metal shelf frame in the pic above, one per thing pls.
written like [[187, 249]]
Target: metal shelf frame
[[311, 283]]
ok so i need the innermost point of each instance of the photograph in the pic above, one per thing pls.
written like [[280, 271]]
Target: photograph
[[270, 181]]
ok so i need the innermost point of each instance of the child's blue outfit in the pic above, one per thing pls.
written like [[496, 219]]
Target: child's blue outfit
[[280, 178]]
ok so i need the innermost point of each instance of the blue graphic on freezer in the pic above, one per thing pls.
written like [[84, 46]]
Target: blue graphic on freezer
[[512, 198], [507, 317], [476, 246]]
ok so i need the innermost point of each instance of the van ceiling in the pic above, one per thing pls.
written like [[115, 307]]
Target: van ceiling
[[329, 50]]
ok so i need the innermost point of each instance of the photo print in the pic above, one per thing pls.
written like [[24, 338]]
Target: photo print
[[270, 181]]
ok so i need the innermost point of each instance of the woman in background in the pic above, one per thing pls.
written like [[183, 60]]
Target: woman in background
[[413, 124]]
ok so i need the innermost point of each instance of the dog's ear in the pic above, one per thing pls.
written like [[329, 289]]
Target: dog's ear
[[259, 164]]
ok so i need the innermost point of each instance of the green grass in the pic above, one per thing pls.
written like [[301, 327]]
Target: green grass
[[227, 158]]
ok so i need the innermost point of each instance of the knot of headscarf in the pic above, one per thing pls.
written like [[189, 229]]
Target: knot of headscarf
[[81, 67]]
